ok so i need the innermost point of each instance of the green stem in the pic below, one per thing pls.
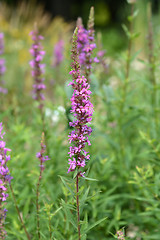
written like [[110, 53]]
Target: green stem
[[20, 217], [37, 205], [126, 81], [50, 233], [151, 60], [122, 137], [128, 61], [44, 129]]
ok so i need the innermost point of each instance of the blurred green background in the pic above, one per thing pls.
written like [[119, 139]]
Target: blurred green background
[[125, 151]]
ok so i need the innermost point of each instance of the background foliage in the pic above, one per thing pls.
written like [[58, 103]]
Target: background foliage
[[125, 151]]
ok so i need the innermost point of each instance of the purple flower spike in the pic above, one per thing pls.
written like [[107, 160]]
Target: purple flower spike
[[82, 110], [58, 53], [37, 67], [41, 157], [5, 178], [86, 45], [1, 43], [2, 65]]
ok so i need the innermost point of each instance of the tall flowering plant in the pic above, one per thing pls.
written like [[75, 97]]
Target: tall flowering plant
[[82, 110], [5, 178], [37, 67], [2, 65]]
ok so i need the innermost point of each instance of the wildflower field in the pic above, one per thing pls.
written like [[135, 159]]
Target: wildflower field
[[79, 126]]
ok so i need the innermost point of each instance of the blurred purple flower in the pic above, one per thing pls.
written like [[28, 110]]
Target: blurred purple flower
[[101, 53], [5, 178], [58, 53], [120, 235], [102, 60], [85, 47], [1, 43], [38, 68], [41, 157], [2, 65], [86, 44]]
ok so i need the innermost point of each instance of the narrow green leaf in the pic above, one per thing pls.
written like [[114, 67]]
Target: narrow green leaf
[[66, 185], [75, 173], [94, 224], [130, 18], [68, 213], [56, 211], [135, 35], [84, 237], [83, 199], [126, 30], [90, 179]]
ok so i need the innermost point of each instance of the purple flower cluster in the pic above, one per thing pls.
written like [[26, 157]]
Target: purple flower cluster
[[2, 64], [1, 43], [85, 47], [102, 60], [120, 235], [58, 53], [41, 157], [5, 178], [82, 110], [101, 53], [37, 67]]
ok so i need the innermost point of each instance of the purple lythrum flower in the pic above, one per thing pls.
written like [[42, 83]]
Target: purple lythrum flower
[[86, 45], [120, 235], [1, 43], [101, 54], [58, 53], [5, 178], [41, 156], [38, 67], [2, 65], [82, 110], [102, 60]]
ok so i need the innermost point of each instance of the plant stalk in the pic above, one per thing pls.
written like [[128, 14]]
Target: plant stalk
[[20, 217], [125, 87], [151, 60], [37, 204], [77, 202], [50, 230], [128, 61]]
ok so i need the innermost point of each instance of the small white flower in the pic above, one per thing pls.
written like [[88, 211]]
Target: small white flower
[[55, 115], [48, 112], [61, 109]]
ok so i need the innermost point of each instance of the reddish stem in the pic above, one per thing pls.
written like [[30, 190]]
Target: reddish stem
[[37, 202], [77, 202]]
